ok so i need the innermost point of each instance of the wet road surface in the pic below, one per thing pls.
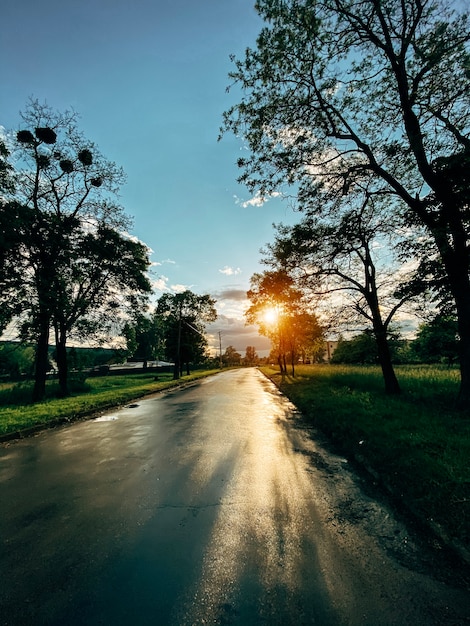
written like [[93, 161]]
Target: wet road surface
[[206, 505]]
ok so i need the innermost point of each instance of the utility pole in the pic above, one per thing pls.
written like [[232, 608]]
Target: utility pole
[[176, 373], [220, 349]]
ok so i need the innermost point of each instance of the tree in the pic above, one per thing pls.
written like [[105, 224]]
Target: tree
[[437, 340], [74, 256], [16, 360], [360, 349], [251, 356], [231, 357], [278, 308], [341, 95], [145, 337], [185, 316], [105, 274], [342, 255], [6, 170], [14, 219]]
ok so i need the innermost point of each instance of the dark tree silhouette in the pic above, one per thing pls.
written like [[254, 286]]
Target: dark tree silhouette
[[339, 96]]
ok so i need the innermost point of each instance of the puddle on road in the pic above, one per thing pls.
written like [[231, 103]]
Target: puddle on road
[[106, 418]]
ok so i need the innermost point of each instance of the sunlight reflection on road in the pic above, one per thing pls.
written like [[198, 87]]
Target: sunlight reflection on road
[[265, 517]]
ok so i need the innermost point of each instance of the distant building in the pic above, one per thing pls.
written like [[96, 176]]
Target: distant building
[[330, 347]]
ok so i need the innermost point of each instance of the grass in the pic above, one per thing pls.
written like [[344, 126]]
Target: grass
[[416, 443], [96, 394]]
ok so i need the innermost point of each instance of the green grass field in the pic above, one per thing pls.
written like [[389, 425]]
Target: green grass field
[[96, 394], [416, 443]]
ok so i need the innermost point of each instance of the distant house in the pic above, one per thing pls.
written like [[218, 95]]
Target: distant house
[[330, 347], [324, 356]]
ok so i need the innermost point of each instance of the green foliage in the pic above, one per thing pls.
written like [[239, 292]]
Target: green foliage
[[344, 102], [184, 316], [145, 337], [360, 349], [16, 360], [437, 341], [66, 245]]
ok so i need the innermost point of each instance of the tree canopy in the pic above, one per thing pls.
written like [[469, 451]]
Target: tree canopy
[[347, 260], [185, 315], [68, 238], [341, 99], [281, 313]]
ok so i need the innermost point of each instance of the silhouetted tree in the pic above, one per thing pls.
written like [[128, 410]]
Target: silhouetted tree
[[76, 259], [339, 96], [251, 356], [343, 255], [289, 325], [145, 337], [185, 316], [14, 221], [231, 357]]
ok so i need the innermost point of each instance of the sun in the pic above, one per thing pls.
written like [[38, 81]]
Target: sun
[[270, 315]]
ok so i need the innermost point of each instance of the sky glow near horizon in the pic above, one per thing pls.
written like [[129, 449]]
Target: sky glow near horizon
[[148, 79]]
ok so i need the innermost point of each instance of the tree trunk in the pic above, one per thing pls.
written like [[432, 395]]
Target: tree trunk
[[392, 386], [177, 370], [462, 301], [41, 359], [62, 364], [456, 262]]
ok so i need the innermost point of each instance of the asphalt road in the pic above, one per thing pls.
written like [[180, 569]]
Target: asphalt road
[[206, 505]]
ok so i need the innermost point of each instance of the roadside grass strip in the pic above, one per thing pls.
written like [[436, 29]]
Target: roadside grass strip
[[416, 444], [95, 395]]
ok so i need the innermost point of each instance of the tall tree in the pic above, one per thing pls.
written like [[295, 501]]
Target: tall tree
[[69, 190], [185, 315], [231, 357], [339, 95], [105, 275], [342, 256]]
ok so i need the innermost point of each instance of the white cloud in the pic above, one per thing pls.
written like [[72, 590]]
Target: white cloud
[[257, 200], [161, 283], [165, 261], [230, 271], [179, 288]]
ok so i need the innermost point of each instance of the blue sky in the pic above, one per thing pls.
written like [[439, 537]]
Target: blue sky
[[149, 79]]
